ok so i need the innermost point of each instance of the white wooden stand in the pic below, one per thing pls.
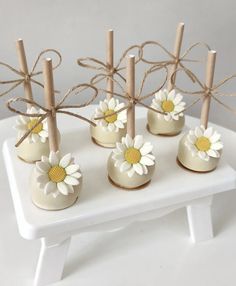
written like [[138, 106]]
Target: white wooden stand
[[51, 260], [102, 207], [199, 219]]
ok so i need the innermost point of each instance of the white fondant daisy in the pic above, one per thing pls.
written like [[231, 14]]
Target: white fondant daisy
[[133, 155], [169, 102], [115, 121], [24, 123], [204, 143], [58, 175]]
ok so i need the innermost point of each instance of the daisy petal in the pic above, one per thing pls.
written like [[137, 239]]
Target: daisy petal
[[217, 146], [76, 175], [130, 173], [103, 106], [72, 169], [208, 132], [213, 153], [21, 127], [203, 155], [42, 166], [111, 127], [125, 166], [44, 159], [147, 148], [119, 156], [128, 141], [118, 163], [215, 137], [119, 124], [198, 132], [138, 141], [178, 98], [120, 146], [191, 138], [43, 133], [53, 158], [35, 137], [146, 161], [71, 181], [42, 179], [65, 160], [150, 156], [24, 119], [138, 168], [111, 103], [171, 95], [32, 110], [145, 169], [49, 187], [103, 123], [63, 188]]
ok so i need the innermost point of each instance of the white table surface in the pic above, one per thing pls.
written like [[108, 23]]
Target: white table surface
[[146, 253]]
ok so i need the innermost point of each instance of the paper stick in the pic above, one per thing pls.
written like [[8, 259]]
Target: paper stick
[[210, 68], [176, 53], [110, 61], [24, 68], [50, 103], [130, 85]]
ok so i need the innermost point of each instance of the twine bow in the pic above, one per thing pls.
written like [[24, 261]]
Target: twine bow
[[105, 70], [206, 91], [30, 76], [59, 108], [138, 98], [178, 61]]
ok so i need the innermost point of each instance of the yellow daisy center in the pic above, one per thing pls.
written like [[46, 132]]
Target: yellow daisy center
[[37, 129], [112, 118], [167, 105], [132, 155], [57, 174], [203, 143]]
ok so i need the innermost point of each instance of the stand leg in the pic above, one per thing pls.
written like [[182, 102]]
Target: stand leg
[[51, 260], [199, 219]]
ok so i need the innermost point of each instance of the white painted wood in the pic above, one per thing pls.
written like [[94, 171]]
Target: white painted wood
[[102, 207], [101, 202], [51, 260], [199, 219]]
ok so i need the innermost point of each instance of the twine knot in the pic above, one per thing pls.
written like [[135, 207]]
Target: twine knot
[[208, 91], [53, 111], [177, 61], [112, 71], [133, 100], [27, 77]]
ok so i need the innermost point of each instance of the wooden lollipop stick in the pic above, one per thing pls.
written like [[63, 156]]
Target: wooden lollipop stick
[[24, 68], [176, 53], [210, 68], [50, 103], [130, 85], [110, 61]]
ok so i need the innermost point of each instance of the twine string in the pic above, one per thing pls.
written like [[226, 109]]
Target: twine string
[[178, 61], [28, 77], [106, 70], [59, 108], [206, 91], [138, 98]]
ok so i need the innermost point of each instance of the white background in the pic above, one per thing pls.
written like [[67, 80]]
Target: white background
[[77, 29]]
